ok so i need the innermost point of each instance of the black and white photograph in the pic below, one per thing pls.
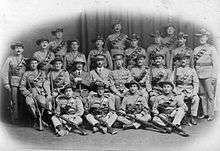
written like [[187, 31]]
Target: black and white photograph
[[115, 75]]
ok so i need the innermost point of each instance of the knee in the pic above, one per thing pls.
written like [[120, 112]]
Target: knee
[[41, 100], [29, 101]]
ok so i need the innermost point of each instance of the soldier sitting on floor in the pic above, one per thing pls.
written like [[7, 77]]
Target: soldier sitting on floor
[[100, 110], [70, 107]]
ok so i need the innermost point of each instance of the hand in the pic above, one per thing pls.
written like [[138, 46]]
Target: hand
[[54, 94], [155, 111], [8, 87]]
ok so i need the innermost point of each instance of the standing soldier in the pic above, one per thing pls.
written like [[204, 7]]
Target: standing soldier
[[169, 105], [132, 52], [119, 77], [13, 69], [70, 107], [58, 46], [181, 49], [58, 77], [100, 110], [187, 82], [73, 54], [158, 47], [117, 40], [158, 73], [44, 56], [205, 65], [171, 39], [135, 105], [91, 63], [80, 78], [36, 88], [141, 74]]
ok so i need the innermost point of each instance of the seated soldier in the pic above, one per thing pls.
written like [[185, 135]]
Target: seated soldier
[[135, 105], [100, 110], [169, 105], [187, 82], [36, 88], [70, 107]]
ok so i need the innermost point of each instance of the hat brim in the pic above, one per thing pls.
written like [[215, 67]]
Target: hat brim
[[68, 87], [128, 85], [162, 83]]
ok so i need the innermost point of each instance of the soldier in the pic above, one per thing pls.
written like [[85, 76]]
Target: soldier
[[36, 88], [73, 54], [158, 73], [158, 47], [187, 82], [70, 107], [206, 67], [44, 56], [169, 105], [100, 110], [117, 40], [141, 74], [135, 105], [80, 78], [91, 63], [58, 46], [119, 77], [132, 52], [13, 69], [171, 39], [181, 49], [58, 77]]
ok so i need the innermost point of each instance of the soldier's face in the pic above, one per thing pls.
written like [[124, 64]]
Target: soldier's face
[[170, 30], [134, 43], [117, 27], [79, 66], [100, 91], [167, 88], [74, 45], [119, 62], [99, 63], [181, 41], [158, 60], [68, 92], [203, 39], [140, 61], [59, 34], [44, 44], [33, 64], [18, 50], [99, 43], [184, 61], [133, 88], [58, 65], [157, 39]]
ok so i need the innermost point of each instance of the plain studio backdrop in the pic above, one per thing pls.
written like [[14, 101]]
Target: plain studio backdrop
[[28, 21]]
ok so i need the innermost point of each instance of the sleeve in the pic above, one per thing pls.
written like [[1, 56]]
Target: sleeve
[[148, 56], [111, 103], [80, 109], [67, 77], [180, 102], [148, 81], [89, 61], [109, 60], [85, 66], [195, 82], [107, 44], [123, 104], [86, 80], [57, 109], [23, 84], [5, 72], [214, 61]]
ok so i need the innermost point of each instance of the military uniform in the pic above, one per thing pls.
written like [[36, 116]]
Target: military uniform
[[205, 65], [187, 82], [137, 105], [171, 106], [35, 86], [101, 75], [69, 108], [13, 70]]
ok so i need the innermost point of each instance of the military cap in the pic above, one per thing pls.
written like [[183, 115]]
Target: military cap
[[170, 25], [128, 85], [69, 42], [162, 83], [99, 85], [99, 57], [38, 42], [67, 87], [115, 22], [57, 30], [80, 60], [202, 32], [17, 44], [117, 54], [140, 56], [56, 59], [32, 59], [183, 56], [156, 34], [158, 54], [134, 37], [98, 37], [182, 35]]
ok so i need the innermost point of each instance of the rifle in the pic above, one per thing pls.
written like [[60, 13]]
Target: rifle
[[37, 108], [11, 106], [82, 131], [52, 90]]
